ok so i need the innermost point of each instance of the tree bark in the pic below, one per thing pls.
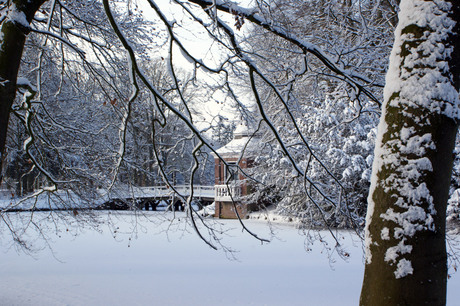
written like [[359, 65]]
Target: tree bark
[[13, 30], [406, 260]]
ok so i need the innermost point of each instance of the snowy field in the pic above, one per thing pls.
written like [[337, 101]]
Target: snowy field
[[159, 267]]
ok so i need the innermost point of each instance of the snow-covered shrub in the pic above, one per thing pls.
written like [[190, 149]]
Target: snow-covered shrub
[[453, 207], [336, 161]]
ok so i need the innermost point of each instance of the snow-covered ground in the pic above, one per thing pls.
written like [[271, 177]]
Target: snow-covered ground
[[159, 267]]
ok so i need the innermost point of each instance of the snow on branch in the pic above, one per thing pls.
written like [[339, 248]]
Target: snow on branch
[[256, 17]]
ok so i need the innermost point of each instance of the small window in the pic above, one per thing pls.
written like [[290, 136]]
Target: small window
[[231, 172]]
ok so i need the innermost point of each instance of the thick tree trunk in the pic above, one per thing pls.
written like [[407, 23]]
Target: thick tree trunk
[[406, 261], [13, 31]]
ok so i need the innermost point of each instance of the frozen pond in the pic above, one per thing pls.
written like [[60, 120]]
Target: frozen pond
[[159, 267]]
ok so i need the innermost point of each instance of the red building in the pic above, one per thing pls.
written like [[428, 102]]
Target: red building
[[230, 183]]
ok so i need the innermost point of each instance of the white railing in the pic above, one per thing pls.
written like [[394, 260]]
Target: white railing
[[162, 191], [226, 193]]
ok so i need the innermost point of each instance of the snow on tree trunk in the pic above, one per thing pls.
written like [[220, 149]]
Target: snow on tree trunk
[[14, 27], [406, 261]]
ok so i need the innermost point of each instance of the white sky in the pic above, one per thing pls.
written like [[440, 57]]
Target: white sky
[[197, 42]]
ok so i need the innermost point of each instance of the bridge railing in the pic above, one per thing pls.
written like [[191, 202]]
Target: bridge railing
[[160, 191], [225, 193]]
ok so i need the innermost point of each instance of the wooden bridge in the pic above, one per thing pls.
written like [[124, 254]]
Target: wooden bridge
[[127, 197], [159, 197]]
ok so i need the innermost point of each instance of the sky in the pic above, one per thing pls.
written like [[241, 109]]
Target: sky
[[202, 47]]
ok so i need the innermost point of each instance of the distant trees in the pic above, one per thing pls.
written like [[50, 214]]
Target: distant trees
[[80, 65], [158, 151], [81, 129], [328, 125], [57, 139]]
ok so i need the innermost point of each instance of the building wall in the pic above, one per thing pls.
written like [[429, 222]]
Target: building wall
[[226, 210], [220, 175]]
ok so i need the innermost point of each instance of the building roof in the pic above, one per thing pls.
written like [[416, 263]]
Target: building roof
[[241, 141]]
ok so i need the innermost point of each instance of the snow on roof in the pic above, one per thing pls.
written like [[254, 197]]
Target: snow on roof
[[242, 130], [242, 141]]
